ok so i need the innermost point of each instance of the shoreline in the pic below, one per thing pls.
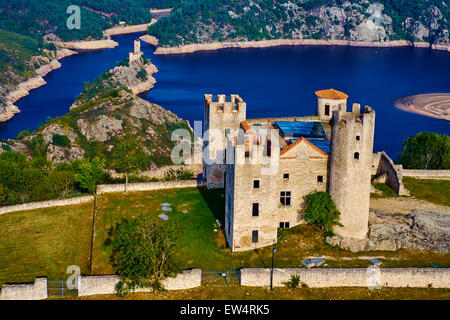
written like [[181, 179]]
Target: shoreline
[[191, 48], [435, 105], [23, 88]]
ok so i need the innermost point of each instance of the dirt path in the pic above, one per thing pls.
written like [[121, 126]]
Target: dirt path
[[405, 205]]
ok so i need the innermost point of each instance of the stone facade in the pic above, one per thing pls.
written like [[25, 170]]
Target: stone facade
[[269, 169], [148, 186], [137, 53]]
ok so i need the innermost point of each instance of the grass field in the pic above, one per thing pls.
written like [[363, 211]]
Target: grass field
[[45, 242], [236, 292], [436, 191]]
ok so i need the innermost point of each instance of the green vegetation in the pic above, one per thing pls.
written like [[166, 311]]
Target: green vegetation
[[321, 210], [38, 18], [293, 283], [193, 21], [386, 191], [45, 242], [143, 253], [179, 174], [60, 140], [436, 191], [426, 150]]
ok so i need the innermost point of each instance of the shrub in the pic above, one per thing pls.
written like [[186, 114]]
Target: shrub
[[60, 140], [321, 210], [293, 283], [179, 174]]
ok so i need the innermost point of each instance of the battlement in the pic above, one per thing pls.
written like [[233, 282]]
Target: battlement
[[234, 104], [355, 115]]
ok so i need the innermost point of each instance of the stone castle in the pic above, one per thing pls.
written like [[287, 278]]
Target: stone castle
[[137, 53], [268, 166]]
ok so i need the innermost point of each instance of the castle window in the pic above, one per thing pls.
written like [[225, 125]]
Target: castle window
[[235, 108], [358, 138], [255, 236], [255, 210], [220, 108], [255, 184], [327, 109], [356, 156], [286, 176], [284, 225], [319, 178], [285, 198]]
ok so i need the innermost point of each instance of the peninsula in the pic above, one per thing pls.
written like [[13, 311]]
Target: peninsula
[[436, 105]]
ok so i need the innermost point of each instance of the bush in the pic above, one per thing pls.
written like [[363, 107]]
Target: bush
[[60, 140], [179, 174], [321, 210], [293, 283]]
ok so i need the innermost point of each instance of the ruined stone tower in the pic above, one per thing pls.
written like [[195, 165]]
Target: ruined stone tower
[[350, 168], [221, 118], [137, 53], [328, 101]]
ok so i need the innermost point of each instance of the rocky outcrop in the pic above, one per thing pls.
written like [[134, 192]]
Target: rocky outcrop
[[150, 39], [419, 230], [101, 129], [127, 76]]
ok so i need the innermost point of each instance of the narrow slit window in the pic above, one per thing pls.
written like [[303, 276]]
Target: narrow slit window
[[255, 236], [327, 109], [255, 210], [356, 156], [255, 184]]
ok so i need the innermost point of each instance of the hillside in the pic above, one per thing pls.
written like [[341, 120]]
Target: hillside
[[20, 57], [106, 109], [203, 21]]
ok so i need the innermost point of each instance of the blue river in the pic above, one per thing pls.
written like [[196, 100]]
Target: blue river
[[274, 82]]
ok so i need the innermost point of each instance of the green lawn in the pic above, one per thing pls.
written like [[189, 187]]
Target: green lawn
[[436, 191], [44, 242]]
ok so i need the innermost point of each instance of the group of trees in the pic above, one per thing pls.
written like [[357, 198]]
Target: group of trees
[[37, 18], [260, 21]]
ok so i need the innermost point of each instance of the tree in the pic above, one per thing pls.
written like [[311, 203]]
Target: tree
[[90, 173], [321, 210], [143, 253], [129, 157], [426, 150]]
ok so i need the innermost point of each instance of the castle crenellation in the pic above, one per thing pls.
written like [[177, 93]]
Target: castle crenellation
[[268, 166]]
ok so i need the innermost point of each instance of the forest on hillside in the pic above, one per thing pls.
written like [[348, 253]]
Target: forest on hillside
[[39, 18], [197, 21]]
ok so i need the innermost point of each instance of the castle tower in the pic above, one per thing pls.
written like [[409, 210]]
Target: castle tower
[[137, 53], [221, 119], [328, 101], [350, 169]]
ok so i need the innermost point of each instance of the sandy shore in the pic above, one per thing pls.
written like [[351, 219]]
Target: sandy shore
[[292, 42], [129, 29], [23, 89], [436, 105], [88, 45]]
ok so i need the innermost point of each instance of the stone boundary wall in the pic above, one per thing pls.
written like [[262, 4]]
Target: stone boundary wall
[[92, 285], [388, 172], [427, 174], [46, 204], [148, 186], [29, 291], [325, 277]]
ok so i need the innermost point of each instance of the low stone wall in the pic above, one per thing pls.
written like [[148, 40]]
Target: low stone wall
[[427, 174], [91, 285], [46, 204], [32, 291], [388, 172], [148, 186], [324, 277]]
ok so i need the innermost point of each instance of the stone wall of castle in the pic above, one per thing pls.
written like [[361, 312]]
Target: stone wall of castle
[[349, 277], [27, 291], [148, 186], [387, 172], [427, 174], [93, 285], [46, 204], [350, 169], [326, 107]]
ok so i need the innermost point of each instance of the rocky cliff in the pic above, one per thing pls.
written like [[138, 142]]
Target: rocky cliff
[[106, 109]]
